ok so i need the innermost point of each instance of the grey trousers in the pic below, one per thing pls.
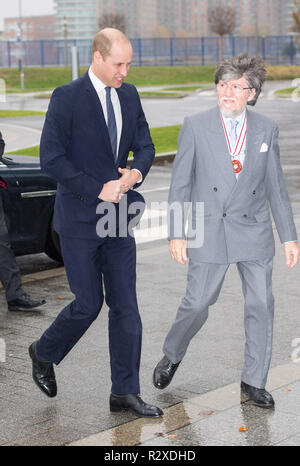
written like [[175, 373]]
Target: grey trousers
[[10, 275], [204, 283]]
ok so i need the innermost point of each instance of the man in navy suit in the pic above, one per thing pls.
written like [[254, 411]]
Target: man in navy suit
[[91, 125]]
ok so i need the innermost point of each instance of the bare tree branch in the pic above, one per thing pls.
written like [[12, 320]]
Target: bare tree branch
[[113, 20], [296, 17], [222, 20]]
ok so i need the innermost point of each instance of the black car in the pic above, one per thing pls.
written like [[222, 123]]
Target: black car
[[28, 198]]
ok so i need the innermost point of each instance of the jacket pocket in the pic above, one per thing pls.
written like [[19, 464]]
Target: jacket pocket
[[262, 216]]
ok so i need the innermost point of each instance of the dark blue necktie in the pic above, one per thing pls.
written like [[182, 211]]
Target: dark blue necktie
[[111, 123]]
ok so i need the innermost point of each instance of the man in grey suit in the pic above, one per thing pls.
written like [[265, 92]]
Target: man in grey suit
[[228, 159]]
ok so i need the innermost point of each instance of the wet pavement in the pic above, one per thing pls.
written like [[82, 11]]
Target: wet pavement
[[202, 404]]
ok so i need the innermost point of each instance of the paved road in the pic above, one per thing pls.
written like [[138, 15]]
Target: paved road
[[25, 132], [204, 394]]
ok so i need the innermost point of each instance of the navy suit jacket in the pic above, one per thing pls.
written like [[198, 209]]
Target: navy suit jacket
[[75, 150]]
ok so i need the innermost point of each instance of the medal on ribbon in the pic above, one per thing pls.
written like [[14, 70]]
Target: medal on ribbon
[[235, 152], [237, 166]]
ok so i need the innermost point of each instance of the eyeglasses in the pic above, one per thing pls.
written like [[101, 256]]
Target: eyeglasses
[[236, 88]]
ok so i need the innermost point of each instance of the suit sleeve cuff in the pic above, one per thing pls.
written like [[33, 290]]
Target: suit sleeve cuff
[[141, 176]]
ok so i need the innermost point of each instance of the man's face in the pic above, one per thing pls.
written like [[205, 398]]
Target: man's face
[[114, 68], [233, 96]]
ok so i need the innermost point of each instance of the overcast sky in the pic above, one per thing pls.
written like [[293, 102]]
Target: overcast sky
[[10, 8]]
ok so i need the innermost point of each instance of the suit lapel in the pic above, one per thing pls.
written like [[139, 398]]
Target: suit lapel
[[219, 148], [255, 137], [97, 114], [254, 140], [125, 118]]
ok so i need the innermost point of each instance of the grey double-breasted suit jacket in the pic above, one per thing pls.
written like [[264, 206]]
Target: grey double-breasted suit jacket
[[237, 221]]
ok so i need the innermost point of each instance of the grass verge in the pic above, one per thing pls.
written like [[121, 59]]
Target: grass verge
[[285, 92], [41, 79], [19, 113], [165, 140]]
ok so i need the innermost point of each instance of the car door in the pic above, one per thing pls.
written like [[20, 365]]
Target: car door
[[28, 204]]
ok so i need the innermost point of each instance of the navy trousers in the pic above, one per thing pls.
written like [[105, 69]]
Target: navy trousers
[[90, 264]]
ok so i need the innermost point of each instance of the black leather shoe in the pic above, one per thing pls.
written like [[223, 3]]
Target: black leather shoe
[[24, 303], [164, 372], [135, 404], [259, 396], [43, 373]]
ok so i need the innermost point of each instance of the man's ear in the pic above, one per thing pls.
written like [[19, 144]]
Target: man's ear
[[98, 57], [251, 95]]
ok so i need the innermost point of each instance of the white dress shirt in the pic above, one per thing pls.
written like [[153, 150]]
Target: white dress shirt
[[100, 89], [241, 157], [240, 120]]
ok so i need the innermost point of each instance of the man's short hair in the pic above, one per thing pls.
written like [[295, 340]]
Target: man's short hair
[[253, 68], [102, 44], [104, 40]]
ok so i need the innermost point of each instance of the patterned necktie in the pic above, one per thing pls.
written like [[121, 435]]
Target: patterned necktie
[[233, 132], [111, 123]]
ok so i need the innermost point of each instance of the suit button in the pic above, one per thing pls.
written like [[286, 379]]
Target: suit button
[[224, 215], [254, 192], [245, 215], [215, 189]]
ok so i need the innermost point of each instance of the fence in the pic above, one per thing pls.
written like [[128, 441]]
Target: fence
[[279, 50]]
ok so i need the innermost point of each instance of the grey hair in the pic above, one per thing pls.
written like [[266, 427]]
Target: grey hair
[[253, 68]]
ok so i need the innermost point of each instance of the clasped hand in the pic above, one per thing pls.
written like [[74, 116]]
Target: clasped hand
[[113, 190]]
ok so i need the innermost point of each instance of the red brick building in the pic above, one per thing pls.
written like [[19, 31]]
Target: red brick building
[[33, 28]]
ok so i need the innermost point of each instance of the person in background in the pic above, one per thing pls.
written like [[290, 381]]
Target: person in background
[[10, 274]]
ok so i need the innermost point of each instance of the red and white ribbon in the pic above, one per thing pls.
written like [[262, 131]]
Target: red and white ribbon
[[240, 141]]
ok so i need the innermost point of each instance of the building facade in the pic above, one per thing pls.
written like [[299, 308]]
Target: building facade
[[172, 18], [30, 28], [78, 18]]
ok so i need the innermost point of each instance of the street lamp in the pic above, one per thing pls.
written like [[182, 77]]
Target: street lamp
[[19, 39], [65, 33]]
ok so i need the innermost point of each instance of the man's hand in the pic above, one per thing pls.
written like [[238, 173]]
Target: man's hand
[[292, 253], [112, 191], [129, 178], [177, 248]]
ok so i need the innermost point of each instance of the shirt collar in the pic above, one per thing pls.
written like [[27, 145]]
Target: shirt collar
[[97, 83], [240, 118]]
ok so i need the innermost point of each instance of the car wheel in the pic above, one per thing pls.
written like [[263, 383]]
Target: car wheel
[[52, 248]]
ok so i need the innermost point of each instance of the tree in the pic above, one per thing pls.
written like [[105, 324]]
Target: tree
[[113, 20], [296, 18], [160, 31], [222, 21]]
